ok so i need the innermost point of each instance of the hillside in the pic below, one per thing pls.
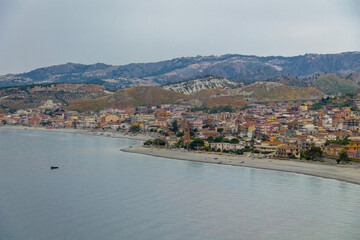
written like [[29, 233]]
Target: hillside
[[261, 91], [264, 91], [328, 83], [198, 84], [232, 66], [239, 97], [32, 96], [132, 97]]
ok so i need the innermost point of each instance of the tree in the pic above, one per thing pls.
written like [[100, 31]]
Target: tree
[[252, 143], [265, 137], [180, 134], [218, 139], [180, 144], [148, 142], [234, 141], [210, 139], [135, 128], [196, 143], [343, 157], [175, 126], [314, 153], [159, 142], [220, 130]]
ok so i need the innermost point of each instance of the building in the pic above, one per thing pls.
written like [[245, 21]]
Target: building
[[287, 151]]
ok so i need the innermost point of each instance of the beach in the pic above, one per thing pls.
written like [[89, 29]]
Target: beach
[[346, 173], [82, 131]]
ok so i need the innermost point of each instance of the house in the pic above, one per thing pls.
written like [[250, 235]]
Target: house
[[333, 149], [227, 146], [286, 151], [109, 118], [352, 146], [268, 146]]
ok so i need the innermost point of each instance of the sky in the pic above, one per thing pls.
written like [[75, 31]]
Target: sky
[[40, 33]]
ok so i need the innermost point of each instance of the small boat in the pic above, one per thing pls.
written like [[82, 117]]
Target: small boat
[[53, 167], [219, 162]]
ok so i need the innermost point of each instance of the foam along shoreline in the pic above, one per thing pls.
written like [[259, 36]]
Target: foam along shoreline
[[81, 131], [346, 173]]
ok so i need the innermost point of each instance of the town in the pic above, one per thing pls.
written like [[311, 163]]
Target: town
[[284, 130]]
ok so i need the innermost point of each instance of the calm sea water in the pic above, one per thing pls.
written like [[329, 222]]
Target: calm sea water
[[100, 192]]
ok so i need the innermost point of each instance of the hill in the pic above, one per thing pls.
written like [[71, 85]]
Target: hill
[[262, 91], [132, 97], [32, 96], [198, 84], [327, 83], [240, 97], [232, 66]]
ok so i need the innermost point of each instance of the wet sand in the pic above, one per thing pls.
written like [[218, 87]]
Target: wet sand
[[347, 173]]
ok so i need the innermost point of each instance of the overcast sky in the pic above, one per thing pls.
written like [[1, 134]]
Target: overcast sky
[[38, 33]]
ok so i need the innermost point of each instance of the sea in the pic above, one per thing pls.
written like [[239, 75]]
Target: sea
[[100, 192]]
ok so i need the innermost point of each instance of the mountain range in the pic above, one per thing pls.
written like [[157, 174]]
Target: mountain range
[[234, 67]]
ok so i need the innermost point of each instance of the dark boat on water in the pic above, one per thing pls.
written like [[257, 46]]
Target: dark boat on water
[[52, 167]]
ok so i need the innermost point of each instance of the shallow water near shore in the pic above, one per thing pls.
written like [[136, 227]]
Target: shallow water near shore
[[99, 192]]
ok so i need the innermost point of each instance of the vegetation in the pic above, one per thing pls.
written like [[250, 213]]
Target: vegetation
[[135, 128], [339, 102], [345, 141], [219, 139], [210, 139], [219, 109], [220, 130], [265, 137], [174, 126], [215, 109], [180, 134], [314, 153], [197, 143], [343, 157], [158, 142]]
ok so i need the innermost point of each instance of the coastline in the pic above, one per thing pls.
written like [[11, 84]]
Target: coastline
[[345, 173], [80, 131]]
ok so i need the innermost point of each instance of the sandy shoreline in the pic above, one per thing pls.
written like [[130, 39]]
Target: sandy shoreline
[[346, 173], [81, 131]]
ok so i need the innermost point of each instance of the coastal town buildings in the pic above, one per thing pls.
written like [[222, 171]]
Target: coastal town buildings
[[277, 130]]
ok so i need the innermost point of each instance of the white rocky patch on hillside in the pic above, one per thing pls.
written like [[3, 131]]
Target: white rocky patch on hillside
[[196, 85]]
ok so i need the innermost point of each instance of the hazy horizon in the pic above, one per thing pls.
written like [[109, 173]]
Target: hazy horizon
[[42, 33]]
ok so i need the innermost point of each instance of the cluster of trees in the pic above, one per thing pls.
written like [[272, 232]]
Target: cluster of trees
[[135, 128], [343, 157], [330, 101], [222, 139], [314, 153], [344, 141], [216, 109], [157, 142]]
